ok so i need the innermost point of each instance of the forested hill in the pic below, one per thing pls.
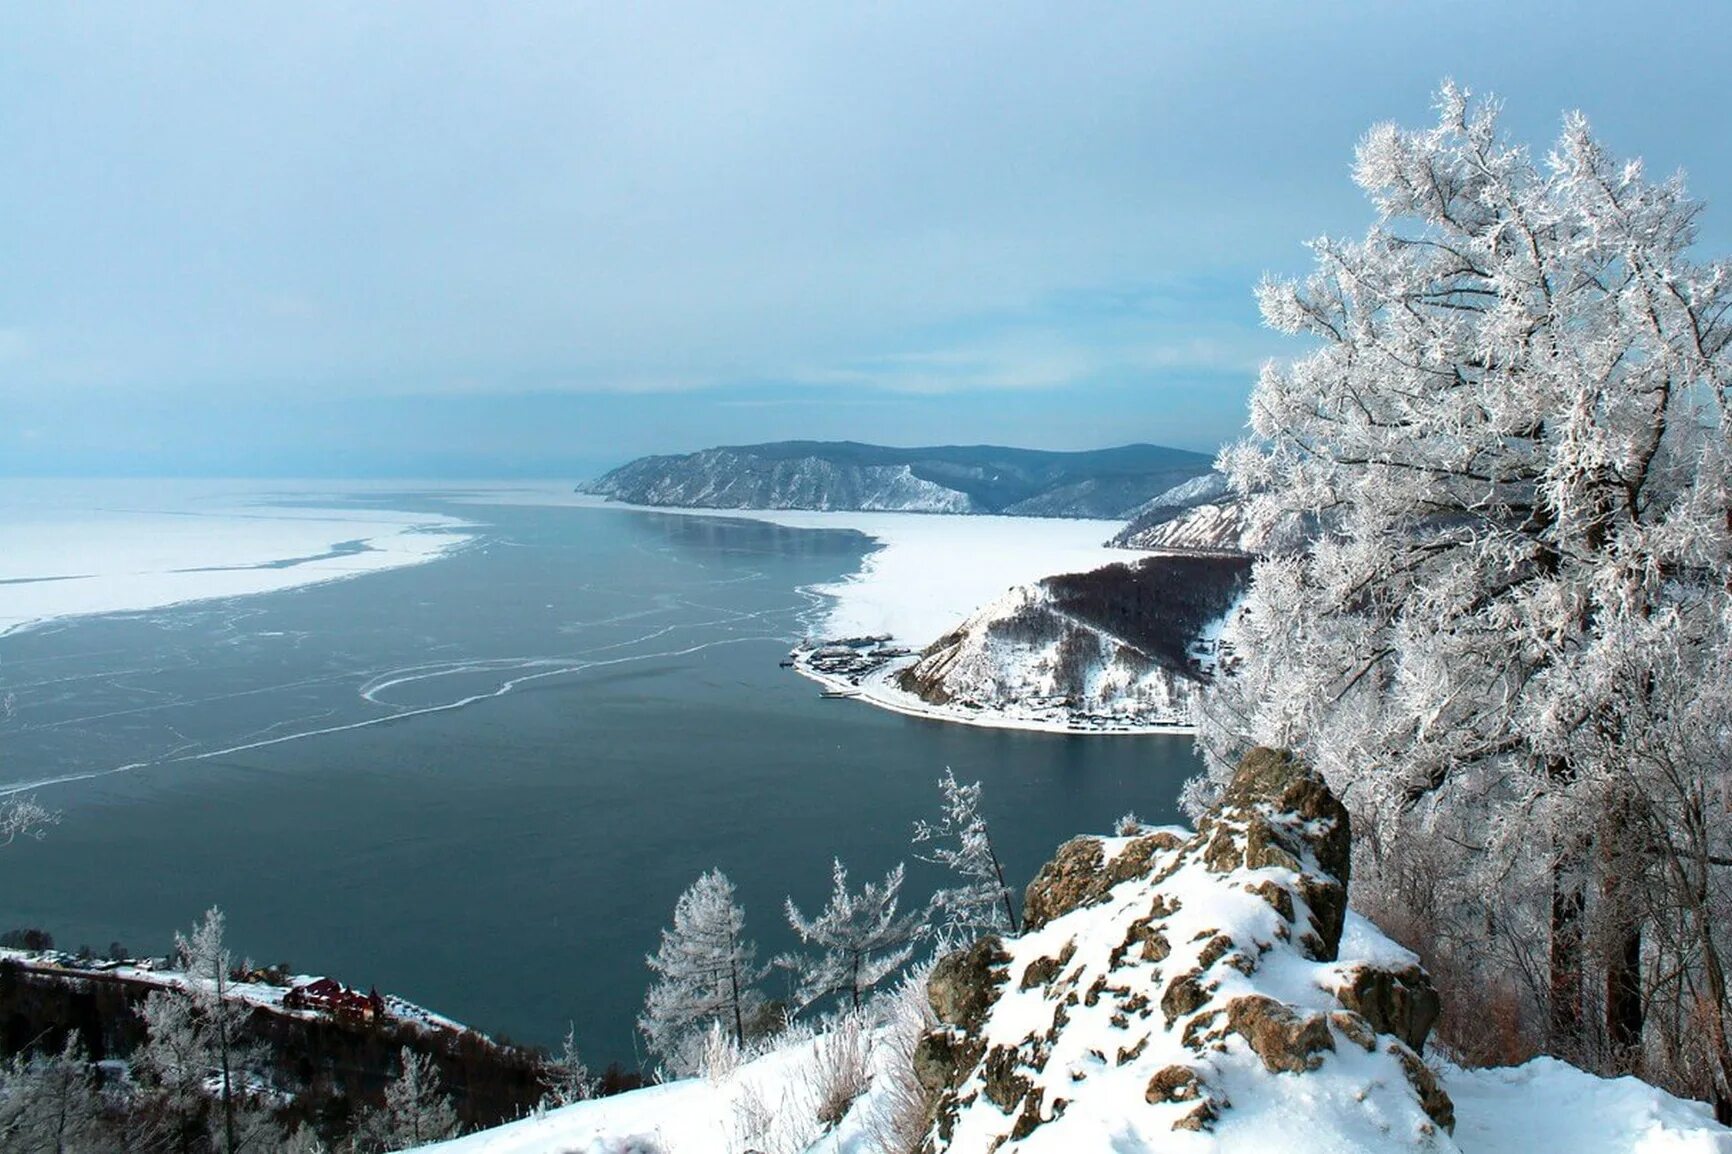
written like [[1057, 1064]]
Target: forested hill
[[1105, 483]]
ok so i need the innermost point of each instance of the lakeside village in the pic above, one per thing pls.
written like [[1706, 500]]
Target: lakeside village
[[272, 989]]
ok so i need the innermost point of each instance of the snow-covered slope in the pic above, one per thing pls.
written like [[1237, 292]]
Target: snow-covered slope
[[1203, 515], [951, 479], [1210, 992], [1214, 525], [1209, 487], [1199, 514], [1119, 642], [1021, 650]]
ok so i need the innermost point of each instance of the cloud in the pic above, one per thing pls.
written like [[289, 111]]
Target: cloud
[[340, 203]]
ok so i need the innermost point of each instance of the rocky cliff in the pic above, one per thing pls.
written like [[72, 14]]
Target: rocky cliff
[[1106, 483], [1180, 991]]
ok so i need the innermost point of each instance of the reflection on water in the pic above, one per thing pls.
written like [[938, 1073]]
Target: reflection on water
[[482, 782]]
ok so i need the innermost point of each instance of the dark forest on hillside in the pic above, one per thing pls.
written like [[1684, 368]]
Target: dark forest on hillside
[[1158, 604]]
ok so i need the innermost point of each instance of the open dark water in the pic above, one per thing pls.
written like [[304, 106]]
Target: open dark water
[[343, 769]]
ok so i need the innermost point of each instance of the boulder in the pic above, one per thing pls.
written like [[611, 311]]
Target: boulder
[[1144, 964]]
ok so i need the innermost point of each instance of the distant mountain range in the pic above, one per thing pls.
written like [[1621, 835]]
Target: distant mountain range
[[845, 475]]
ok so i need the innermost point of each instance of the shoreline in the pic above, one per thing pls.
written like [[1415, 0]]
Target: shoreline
[[875, 689], [839, 617]]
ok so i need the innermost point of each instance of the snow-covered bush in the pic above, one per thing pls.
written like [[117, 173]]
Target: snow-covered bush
[[900, 1108], [24, 817], [840, 1069], [567, 1075]]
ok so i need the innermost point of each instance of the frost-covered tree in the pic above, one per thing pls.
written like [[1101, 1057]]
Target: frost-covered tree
[[567, 1076], [24, 817], [961, 843], [50, 1104], [861, 939], [706, 971], [415, 1113], [196, 1044], [1512, 435]]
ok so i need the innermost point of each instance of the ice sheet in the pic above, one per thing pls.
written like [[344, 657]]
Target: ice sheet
[[78, 547]]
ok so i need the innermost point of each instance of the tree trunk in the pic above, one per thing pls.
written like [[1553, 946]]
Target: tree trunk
[[1719, 1043], [1625, 1014], [223, 1043], [1621, 860], [1568, 908], [1003, 890], [734, 987]]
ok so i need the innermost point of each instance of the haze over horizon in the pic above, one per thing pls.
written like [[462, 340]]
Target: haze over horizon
[[540, 240]]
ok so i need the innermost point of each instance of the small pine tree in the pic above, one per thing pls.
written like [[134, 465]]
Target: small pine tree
[[860, 937], [50, 1103], [706, 972], [567, 1076], [196, 1036], [415, 1112], [982, 904]]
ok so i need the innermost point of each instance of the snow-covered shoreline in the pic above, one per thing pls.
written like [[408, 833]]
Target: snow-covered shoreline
[[78, 548], [264, 995], [929, 572], [879, 688]]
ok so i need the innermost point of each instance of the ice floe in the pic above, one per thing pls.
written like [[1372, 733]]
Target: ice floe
[[74, 547]]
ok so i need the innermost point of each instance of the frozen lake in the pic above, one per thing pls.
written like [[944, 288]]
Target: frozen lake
[[481, 781]]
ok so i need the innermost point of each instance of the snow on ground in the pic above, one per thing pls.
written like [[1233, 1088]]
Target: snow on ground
[[764, 1105], [1548, 1105], [78, 547], [931, 571], [1543, 1107]]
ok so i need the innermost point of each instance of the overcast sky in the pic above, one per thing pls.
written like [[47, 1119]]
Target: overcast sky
[[537, 239]]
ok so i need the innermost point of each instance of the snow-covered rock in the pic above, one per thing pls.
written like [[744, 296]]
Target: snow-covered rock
[[1206, 991]]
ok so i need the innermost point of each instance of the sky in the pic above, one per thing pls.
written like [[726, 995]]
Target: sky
[[538, 239]]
